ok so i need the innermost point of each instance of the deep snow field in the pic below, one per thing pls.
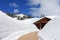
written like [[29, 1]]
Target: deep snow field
[[11, 29], [9, 25]]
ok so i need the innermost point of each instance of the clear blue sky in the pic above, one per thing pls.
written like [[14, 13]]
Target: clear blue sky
[[21, 5]]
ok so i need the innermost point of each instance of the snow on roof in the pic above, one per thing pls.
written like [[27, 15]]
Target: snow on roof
[[51, 17], [21, 15], [9, 25], [52, 30]]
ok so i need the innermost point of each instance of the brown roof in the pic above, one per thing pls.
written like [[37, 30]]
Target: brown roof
[[41, 22]]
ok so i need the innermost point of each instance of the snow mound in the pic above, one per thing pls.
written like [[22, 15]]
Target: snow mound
[[51, 30], [9, 25]]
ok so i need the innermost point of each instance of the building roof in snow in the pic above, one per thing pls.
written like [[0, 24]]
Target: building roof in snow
[[51, 31]]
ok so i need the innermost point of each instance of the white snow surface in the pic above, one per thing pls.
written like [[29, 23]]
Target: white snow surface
[[9, 25], [16, 35], [51, 31], [12, 29], [31, 20], [52, 16], [21, 15]]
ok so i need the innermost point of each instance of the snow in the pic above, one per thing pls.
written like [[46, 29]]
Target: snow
[[21, 15], [51, 31], [31, 20], [12, 29], [16, 35], [9, 25], [51, 17]]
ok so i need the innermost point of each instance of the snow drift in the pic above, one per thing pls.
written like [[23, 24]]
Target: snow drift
[[52, 30], [9, 25]]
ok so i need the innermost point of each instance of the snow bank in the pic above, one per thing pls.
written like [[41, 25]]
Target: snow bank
[[16, 35], [31, 20], [9, 25], [52, 30]]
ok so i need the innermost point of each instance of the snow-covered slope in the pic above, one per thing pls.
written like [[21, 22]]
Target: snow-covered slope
[[16, 35], [31, 20], [52, 30], [9, 25]]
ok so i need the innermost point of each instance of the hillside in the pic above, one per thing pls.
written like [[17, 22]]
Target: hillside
[[9, 25]]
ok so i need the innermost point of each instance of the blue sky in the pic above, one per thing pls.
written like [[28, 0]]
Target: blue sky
[[17, 6], [31, 7]]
